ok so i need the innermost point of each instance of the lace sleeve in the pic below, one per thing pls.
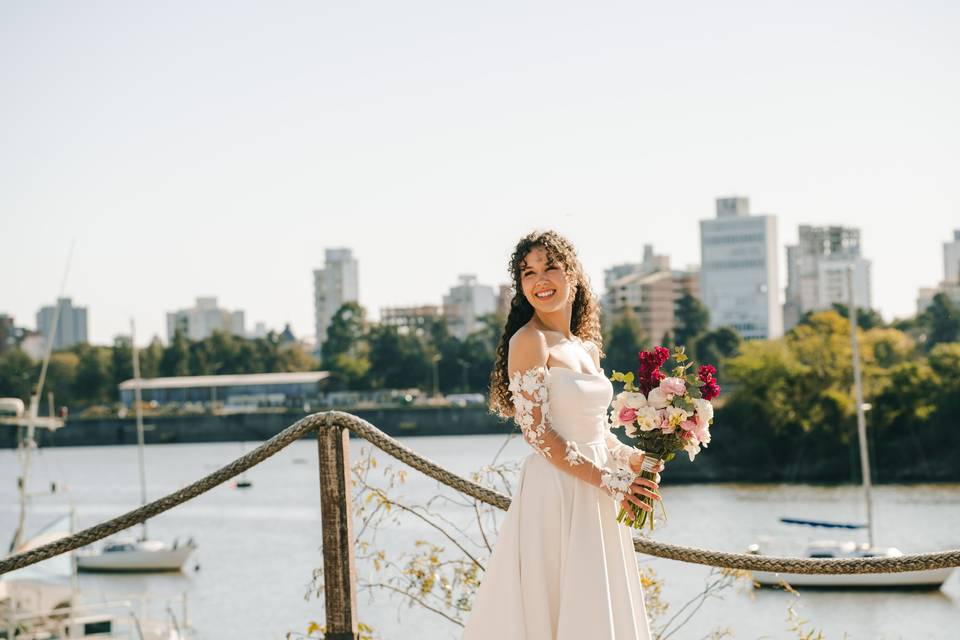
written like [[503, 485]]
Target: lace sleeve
[[531, 403], [618, 451]]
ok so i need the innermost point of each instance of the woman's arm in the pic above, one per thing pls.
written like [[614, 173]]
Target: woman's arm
[[528, 385]]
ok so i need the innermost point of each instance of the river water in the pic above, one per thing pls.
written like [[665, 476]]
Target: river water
[[258, 547]]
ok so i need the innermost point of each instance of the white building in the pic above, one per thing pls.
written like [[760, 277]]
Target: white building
[[817, 271], [205, 317], [71, 326], [650, 289], [465, 303], [334, 285], [951, 258], [739, 273], [951, 276]]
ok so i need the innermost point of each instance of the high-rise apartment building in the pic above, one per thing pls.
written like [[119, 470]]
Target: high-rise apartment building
[[201, 320], [950, 286], [817, 271], [71, 326], [739, 277], [465, 303], [333, 285], [650, 289]]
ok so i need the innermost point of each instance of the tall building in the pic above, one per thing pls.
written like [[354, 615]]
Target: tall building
[[71, 326], [951, 258], [337, 283], [817, 271], [202, 319], [409, 319], [650, 289], [465, 303], [8, 338], [739, 277], [950, 286]]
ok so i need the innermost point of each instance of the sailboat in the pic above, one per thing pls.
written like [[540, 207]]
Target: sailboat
[[137, 554], [42, 601], [840, 548]]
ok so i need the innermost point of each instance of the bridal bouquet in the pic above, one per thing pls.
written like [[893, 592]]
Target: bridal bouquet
[[663, 415]]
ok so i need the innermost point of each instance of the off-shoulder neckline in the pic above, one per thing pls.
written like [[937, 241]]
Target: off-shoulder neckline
[[579, 373]]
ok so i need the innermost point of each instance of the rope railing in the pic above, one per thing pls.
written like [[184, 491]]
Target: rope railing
[[345, 421]]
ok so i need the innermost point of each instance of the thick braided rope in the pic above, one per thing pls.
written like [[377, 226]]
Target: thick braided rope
[[378, 438], [915, 562]]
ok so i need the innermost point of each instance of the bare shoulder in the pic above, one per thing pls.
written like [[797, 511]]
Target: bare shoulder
[[527, 349]]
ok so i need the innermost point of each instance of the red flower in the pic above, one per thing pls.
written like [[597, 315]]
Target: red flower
[[706, 372], [710, 389], [649, 374]]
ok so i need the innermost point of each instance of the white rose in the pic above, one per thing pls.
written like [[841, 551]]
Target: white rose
[[634, 400], [657, 398], [648, 418], [704, 409]]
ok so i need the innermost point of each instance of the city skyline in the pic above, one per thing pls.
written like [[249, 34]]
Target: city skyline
[[657, 262], [185, 170]]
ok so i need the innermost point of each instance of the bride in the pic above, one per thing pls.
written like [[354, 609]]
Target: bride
[[563, 568]]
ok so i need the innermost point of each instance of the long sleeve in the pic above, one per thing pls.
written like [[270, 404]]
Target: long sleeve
[[620, 452], [532, 414]]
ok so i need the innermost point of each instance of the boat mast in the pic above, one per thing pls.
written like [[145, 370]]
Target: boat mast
[[858, 391], [26, 444], [139, 410]]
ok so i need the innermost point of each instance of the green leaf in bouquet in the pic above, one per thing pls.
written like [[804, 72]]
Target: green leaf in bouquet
[[694, 392]]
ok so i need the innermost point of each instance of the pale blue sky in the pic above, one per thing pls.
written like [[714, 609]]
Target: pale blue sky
[[216, 148]]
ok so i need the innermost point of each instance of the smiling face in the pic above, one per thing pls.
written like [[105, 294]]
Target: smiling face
[[544, 281]]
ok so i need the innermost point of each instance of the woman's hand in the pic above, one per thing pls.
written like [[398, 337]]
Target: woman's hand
[[636, 462], [641, 486]]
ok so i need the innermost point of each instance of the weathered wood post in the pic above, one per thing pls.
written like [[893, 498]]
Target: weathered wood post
[[339, 569]]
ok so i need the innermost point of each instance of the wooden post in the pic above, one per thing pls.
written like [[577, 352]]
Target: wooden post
[[339, 568]]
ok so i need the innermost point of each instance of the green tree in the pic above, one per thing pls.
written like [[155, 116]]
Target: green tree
[[16, 379], [121, 360], [717, 345], [61, 377], [625, 342], [692, 320], [397, 361], [866, 318], [176, 357], [93, 383], [150, 358], [942, 321], [347, 329]]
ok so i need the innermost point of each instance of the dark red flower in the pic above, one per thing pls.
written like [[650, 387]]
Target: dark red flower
[[706, 372], [710, 390], [649, 374]]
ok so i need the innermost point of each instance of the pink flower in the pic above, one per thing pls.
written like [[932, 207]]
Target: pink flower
[[665, 425], [627, 415], [702, 432], [676, 386], [689, 425]]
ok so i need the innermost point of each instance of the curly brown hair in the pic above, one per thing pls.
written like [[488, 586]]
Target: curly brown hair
[[584, 320]]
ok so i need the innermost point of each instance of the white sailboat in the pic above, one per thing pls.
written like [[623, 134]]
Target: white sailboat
[[42, 601], [833, 548], [137, 554]]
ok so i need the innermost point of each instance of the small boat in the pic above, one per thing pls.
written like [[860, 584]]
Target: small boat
[[140, 554], [925, 579], [137, 556]]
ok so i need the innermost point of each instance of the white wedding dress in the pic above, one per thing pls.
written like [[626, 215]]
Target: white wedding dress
[[563, 568]]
